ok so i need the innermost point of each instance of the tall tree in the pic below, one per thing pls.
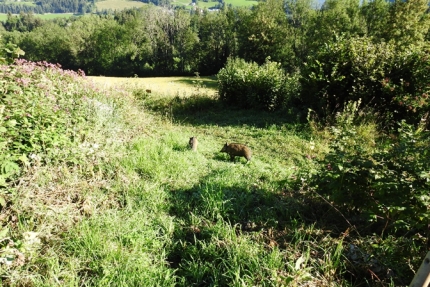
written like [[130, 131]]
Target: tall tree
[[216, 37], [50, 43], [375, 13], [265, 33], [408, 23], [336, 17], [300, 16]]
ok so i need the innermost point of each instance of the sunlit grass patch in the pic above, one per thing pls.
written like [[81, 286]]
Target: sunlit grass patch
[[163, 86]]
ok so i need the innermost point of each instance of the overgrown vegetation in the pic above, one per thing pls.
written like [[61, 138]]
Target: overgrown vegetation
[[99, 187], [129, 202]]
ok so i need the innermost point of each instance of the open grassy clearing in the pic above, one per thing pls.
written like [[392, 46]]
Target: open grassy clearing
[[166, 86]]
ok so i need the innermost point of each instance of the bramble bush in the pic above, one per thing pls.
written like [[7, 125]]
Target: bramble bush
[[248, 85], [387, 183], [394, 83]]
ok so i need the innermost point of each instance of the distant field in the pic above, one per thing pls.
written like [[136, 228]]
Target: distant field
[[162, 85], [47, 16], [212, 4], [29, 3], [126, 4], [118, 4]]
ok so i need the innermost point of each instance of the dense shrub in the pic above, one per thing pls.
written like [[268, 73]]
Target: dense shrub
[[43, 111], [248, 85], [407, 85], [394, 83], [388, 183], [8, 52]]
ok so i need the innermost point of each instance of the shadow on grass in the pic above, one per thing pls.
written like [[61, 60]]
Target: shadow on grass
[[200, 211], [208, 82], [205, 110], [288, 220]]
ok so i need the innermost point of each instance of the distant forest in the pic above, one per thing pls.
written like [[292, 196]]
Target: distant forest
[[162, 41], [48, 6], [60, 6]]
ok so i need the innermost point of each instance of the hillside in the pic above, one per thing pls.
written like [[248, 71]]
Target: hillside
[[47, 6], [100, 187]]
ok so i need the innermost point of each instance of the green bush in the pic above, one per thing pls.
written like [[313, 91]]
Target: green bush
[[394, 83], [44, 110], [388, 183], [407, 85], [8, 52], [248, 85]]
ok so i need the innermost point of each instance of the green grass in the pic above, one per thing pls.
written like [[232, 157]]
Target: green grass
[[164, 86], [145, 210], [118, 4]]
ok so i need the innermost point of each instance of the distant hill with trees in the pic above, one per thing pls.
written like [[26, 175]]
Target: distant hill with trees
[[47, 6]]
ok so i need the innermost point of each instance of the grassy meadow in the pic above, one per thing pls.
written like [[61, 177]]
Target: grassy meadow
[[118, 4], [162, 85], [134, 206]]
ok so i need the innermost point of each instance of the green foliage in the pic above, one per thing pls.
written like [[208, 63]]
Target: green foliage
[[408, 23], [265, 33], [336, 17], [215, 45], [249, 85], [43, 111], [407, 86], [392, 82], [9, 52], [388, 183], [375, 14], [50, 43], [23, 22]]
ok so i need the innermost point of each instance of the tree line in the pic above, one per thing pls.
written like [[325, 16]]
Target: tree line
[[153, 41], [48, 6]]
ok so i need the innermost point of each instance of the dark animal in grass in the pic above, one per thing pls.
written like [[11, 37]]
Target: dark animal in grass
[[235, 149], [193, 143]]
